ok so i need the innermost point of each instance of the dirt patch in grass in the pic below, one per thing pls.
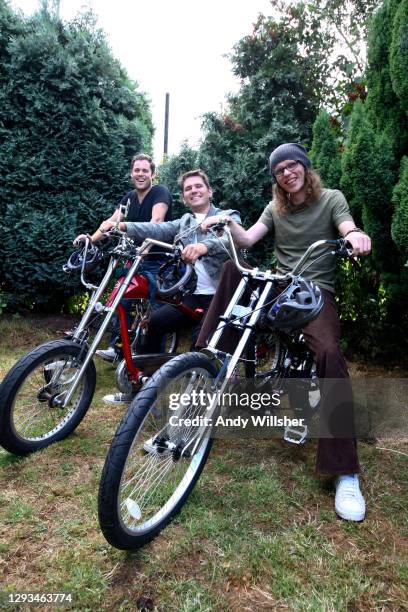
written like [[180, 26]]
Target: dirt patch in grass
[[246, 597], [19, 333], [370, 370]]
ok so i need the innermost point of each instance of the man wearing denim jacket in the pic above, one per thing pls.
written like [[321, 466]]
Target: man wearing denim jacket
[[206, 253]]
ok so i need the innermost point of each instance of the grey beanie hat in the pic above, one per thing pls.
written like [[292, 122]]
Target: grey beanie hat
[[290, 150]]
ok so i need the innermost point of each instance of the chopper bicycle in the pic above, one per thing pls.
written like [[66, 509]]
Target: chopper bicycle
[[153, 463], [47, 393]]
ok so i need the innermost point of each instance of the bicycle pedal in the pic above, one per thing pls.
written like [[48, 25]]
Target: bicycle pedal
[[295, 435], [150, 447]]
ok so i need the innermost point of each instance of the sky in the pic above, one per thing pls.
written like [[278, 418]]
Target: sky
[[174, 46]]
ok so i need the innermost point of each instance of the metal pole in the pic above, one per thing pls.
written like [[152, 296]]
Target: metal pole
[[166, 125]]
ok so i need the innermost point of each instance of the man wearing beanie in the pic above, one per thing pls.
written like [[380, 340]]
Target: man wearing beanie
[[300, 213], [289, 151]]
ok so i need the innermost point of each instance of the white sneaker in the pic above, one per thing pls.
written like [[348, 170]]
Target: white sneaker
[[349, 502], [108, 354], [118, 398]]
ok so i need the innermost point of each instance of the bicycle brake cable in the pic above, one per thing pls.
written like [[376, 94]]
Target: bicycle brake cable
[[325, 254], [186, 232]]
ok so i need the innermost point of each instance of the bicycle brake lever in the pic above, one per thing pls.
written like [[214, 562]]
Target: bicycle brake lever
[[114, 232], [342, 250], [355, 262], [217, 226], [346, 252]]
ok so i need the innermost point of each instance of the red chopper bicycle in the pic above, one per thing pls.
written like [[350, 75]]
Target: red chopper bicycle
[[47, 393]]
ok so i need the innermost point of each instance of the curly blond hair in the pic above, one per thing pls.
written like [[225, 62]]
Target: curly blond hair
[[282, 199]]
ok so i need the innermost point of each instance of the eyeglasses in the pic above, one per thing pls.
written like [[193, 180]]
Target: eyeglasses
[[290, 167]]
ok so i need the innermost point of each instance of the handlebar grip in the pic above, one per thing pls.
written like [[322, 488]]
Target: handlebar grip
[[345, 251], [114, 231]]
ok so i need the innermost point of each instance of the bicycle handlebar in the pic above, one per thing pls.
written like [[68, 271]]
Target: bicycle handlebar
[[114, 232], [339, 245], [127, 249]]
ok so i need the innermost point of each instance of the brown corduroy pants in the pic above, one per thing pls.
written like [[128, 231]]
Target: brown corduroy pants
[[335, 455]]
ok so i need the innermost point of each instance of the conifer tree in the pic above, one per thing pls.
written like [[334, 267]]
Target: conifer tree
[[325, 152], [349, 171], [70, 120], [399, 54], [400, 218], [384, 108]]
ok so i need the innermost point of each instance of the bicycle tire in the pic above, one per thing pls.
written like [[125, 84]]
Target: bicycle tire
[[146, 478], [28, 419]]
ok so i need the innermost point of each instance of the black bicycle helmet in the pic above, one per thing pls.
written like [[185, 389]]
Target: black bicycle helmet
[[93, 258], [296, 306], [176, 276]]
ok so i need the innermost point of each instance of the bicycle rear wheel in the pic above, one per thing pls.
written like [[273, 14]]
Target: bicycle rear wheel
[[170, 340], [158, 453], [264, 357]]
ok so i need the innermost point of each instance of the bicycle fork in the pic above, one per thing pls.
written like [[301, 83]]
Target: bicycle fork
[[93, 305], [227, 369]]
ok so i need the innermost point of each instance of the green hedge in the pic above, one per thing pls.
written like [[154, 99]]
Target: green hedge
[[70, 119]]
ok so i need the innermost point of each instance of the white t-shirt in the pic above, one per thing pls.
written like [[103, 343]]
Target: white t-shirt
[[205, 285]]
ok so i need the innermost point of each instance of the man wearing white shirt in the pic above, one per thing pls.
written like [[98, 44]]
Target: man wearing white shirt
[[206, 253]]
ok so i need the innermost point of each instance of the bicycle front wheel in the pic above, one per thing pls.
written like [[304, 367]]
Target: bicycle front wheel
[[158, 453], [30, 418]]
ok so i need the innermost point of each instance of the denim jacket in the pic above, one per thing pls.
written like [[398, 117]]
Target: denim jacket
[[169, 230]]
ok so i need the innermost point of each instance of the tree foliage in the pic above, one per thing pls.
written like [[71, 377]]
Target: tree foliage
[[334, 34], [70, 119], [400, 218], [384, 107], [325, 153], [399, 54], [369, 173], [376, 140], [349, 176], [170, 171]]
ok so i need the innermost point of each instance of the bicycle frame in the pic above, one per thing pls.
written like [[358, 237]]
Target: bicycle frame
[[138, 288]]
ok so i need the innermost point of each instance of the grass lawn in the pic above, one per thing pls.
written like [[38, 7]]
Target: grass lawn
[[259, 531]]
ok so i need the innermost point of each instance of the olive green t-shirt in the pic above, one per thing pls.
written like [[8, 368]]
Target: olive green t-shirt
[[295, 232]]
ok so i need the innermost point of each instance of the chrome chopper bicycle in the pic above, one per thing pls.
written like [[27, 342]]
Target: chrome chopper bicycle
[[47, 393], [163, 441]]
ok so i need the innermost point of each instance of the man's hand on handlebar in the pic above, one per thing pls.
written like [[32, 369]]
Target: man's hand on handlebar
[[104, 228], [192, 252], [81, 238], [360, 243], [214, 220], [107, 226]]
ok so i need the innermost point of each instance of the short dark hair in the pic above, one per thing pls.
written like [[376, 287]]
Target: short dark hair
[[198, 172], [141, 156]]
